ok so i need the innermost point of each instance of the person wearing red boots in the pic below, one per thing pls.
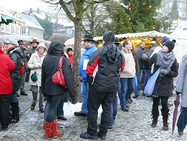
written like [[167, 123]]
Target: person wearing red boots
[[54, 93]]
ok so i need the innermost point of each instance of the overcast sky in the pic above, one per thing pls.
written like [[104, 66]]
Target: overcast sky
[[21, 5]]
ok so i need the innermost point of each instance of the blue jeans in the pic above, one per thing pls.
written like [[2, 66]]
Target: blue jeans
[[126, 83], [84, 92], [60, 111], [14, 98], [182, 120], [51, 106], [132, 87], [139, 79], [147, 74]]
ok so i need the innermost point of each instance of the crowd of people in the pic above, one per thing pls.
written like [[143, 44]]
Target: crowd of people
[[112, 72]]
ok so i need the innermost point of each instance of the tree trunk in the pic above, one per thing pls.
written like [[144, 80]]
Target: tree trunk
[[77, 53]]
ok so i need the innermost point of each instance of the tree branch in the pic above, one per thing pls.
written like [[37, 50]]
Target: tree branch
[[63, 5]]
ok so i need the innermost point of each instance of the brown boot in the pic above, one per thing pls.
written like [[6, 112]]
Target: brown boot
[[48, 132], [155, 115], [55, 132], [165, 114]]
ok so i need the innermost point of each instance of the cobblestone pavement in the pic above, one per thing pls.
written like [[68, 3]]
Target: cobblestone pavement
[[129, 126]]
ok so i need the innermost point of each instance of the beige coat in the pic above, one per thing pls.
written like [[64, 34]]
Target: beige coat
[[35, 64]]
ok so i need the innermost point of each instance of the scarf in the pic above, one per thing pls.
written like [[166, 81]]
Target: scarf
[[165, 60], [40, 54]]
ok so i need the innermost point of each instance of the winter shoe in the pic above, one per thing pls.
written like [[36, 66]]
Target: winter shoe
[[126, 109], [55, 132], [62, 118], [155, 115], [80, 114], [165, 114], [180, 132], [48, 132], [102, 137], [23, 93], [42, 110], [86, 135], [33, 106]]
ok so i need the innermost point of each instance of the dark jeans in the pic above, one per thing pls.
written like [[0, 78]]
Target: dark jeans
[[4, 109], [182, 121], [164, 103], [51, 107], [114, 108], [95, 99], [60, 111]]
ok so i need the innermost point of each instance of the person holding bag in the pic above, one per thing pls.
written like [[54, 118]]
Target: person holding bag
[[165, 61], [54, 92], [35, 64]]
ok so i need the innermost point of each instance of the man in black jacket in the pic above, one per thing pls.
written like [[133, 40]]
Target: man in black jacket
[[16, 56], [24, 63], [102, 72]]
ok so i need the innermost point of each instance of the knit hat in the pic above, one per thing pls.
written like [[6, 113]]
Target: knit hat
[[170, 45], [109, 37], [165, 39]]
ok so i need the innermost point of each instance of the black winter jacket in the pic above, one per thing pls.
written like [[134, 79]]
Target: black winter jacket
[[49, 67], [104, 67], [17, 56], [164, 85]]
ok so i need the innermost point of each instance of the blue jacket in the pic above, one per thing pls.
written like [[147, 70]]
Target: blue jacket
[[85, 57]]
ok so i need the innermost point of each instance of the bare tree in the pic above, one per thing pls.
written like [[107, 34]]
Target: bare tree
[[74, 10]]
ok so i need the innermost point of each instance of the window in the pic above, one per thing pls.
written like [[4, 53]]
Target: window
[[69, 31], [18, 30], [3, 28], [14, 29], [9, 28]]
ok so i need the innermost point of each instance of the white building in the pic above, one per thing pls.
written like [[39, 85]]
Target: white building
[[24, 25]]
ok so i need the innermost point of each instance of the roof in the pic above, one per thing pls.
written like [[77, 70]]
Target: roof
[[30, 21], [180, 33], [5, 12], [127, 35]]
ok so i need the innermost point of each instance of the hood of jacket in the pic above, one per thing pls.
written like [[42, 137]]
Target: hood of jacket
[[15, 50], [56, 48], [41, 45], [112, 52]]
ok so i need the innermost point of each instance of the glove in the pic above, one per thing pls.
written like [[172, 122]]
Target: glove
[[163, 71], [178, 93], [144, 56]]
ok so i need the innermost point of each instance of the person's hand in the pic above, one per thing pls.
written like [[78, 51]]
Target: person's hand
[[144, 56], [178, 93], [80, 78], [164, 71]]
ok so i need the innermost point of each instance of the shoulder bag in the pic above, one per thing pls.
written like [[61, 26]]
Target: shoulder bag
[[58, 77]]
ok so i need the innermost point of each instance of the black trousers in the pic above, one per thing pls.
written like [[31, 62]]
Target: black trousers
[[164, 103], [95, 99], [4, 109]]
